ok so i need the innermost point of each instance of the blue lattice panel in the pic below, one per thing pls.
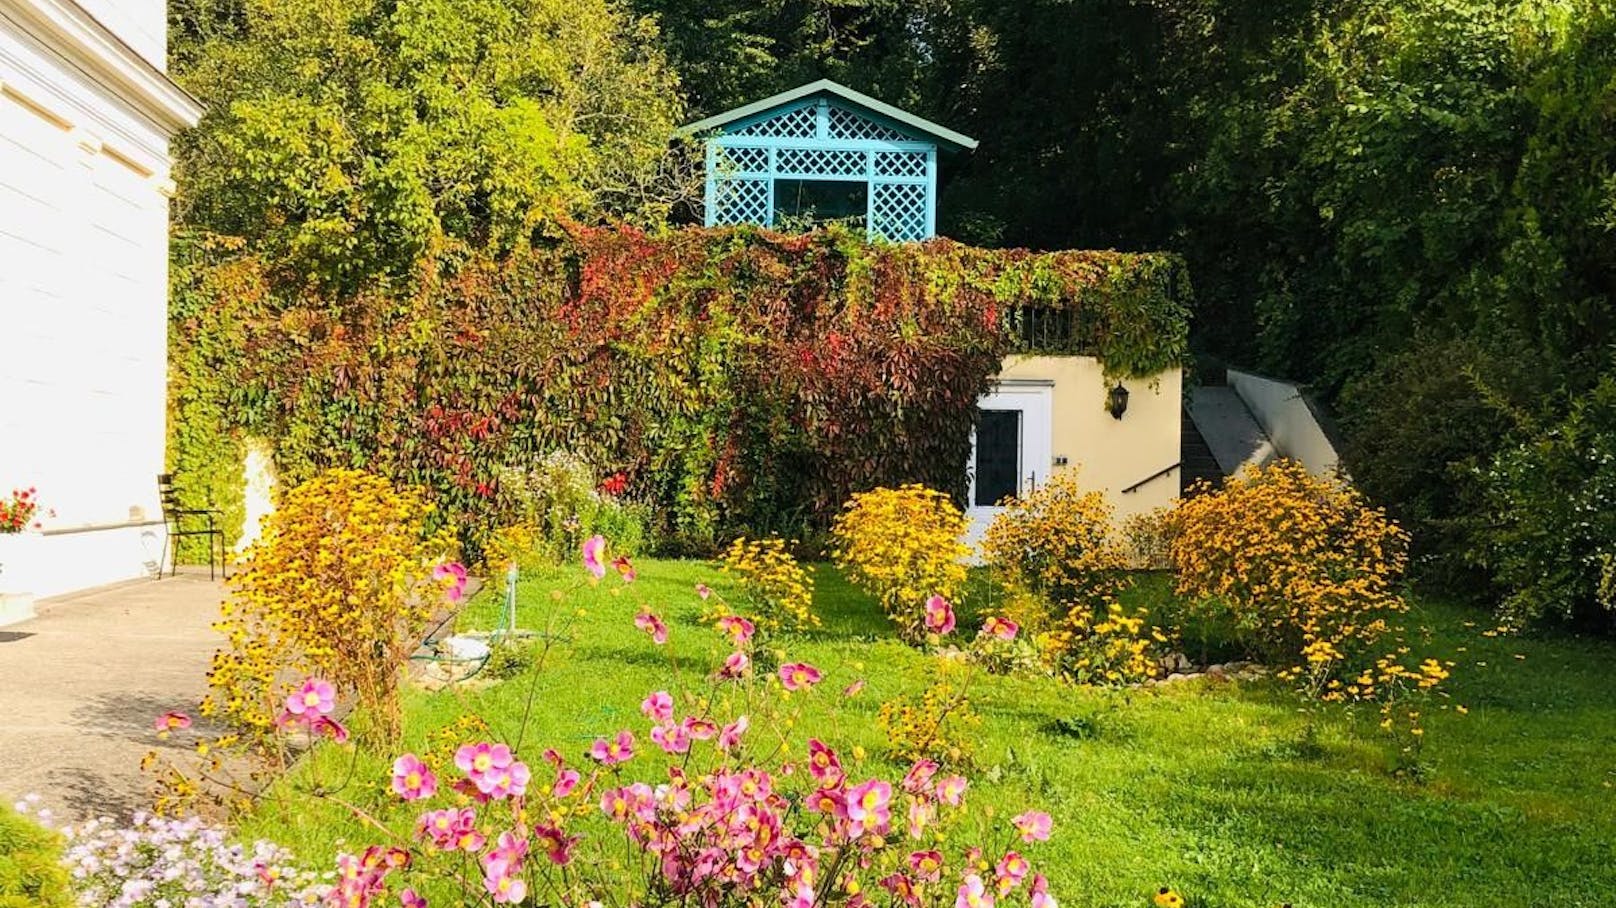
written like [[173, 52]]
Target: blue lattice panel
[[898, 212]]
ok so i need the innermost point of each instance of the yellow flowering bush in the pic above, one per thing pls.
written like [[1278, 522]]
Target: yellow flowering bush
[[1056, 554], [1302, 568], [781, 592], [937, 724], [1110, 647], [338, 586], [902, 546], [1057, 544]]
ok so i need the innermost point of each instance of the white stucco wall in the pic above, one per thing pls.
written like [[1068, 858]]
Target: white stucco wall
[[1112, 454], [1291, 427], [83, 289]]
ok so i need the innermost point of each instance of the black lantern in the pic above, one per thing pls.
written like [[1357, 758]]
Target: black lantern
[[1116, 401]]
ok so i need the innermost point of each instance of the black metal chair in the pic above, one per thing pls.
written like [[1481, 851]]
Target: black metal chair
[[175, 517]]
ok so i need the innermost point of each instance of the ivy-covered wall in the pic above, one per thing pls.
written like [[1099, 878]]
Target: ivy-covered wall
[[742, 380]]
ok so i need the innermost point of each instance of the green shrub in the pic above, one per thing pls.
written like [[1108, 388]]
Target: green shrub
[[563, 499], [1549, 536], [31, 870]]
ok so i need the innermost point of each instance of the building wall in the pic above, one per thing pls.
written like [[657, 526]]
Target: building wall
[[1111, 454], [83, 297]]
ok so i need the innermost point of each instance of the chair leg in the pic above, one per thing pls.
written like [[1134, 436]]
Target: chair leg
[[164, 555]]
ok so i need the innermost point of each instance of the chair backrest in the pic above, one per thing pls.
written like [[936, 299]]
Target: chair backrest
[[167, 494]]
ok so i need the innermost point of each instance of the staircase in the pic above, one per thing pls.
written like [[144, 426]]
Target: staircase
[[1196, 463]]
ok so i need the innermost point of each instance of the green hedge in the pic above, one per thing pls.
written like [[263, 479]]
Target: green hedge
[[742, 380]]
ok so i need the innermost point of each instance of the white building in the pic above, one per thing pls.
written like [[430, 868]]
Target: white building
[[86, 115]]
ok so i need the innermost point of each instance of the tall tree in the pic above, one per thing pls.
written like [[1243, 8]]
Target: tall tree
[[347, 136]]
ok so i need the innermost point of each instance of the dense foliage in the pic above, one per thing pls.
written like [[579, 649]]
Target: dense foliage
[[31, 871], [346, 138], [738, 381], [1406, 204]]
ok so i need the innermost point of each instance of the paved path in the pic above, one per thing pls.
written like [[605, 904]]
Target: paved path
[[81, 685]]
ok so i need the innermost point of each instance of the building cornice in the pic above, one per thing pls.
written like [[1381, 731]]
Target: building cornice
[[67, 30]]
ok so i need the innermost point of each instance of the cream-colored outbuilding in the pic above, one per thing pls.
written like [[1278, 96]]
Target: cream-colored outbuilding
[[1049, 414], [86, 115]]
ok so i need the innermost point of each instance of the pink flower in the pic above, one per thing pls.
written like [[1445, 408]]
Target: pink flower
[[412, 780], [927, 866], [673, 739], [625, 568], [902, 889], [1011, 870], [450, 829], [410, 899], [658, 707], [939, 615], [917, 781], [168, 722], [503, 883], [611, 753], [1034, 826], [973, 894], [504, 781], [798, 675], [508, 848], [735, 665], [703, 590], [730, 737], [566, 780], [852, 690], [652, 625], [1039, 891], [739, 629], [1003, 628], [700, 729], [556, 843], [869, 807], [823, 764], [595, 554], [316, 697], [331, 728], [452, 574], [951, 790], [477, 760]]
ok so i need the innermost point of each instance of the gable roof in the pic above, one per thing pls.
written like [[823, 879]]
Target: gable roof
[[942, 134]]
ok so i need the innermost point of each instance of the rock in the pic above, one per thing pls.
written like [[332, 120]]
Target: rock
[[1174, 677]]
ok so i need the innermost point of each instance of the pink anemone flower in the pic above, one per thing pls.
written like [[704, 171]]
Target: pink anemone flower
[[730, 737], [566, 780], [951, 790], [1011, 870], [658, 707], [625, 568], [613, 752], [409, 898], [412, 780], [316, 696], [1002, 628], [703, 590], [927, 866], [973, 893], [1034, 825], [869, 807], [652, 625], [735, 665], [939, 615], [168, 722], [739, 629], [798, 675], [594, 552], [1039, 893]]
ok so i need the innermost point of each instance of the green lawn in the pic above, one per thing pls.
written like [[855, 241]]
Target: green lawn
[[1209, 789]]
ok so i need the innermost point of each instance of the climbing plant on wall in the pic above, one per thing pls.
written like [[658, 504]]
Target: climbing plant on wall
[[740, 380]]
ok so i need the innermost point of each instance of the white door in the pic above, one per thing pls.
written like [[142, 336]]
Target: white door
[[1010, 449]]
